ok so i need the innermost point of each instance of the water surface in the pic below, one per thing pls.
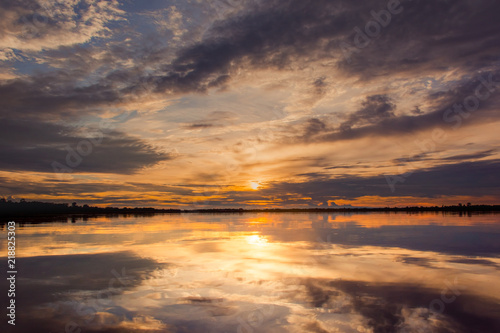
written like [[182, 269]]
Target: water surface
[[260, 272]]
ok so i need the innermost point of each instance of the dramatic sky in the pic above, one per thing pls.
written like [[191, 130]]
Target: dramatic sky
[[239, 103]]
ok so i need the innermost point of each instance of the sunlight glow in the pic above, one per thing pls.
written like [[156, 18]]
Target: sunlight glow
[[256, 240], [254, 185]]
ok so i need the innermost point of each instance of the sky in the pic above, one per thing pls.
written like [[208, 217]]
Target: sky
[[248, 103]]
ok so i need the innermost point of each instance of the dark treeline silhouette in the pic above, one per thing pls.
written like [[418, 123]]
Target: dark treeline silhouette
[[25, 208], [458, 209], [36, 208]]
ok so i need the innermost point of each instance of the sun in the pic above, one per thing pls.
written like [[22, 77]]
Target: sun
[[254, 185]]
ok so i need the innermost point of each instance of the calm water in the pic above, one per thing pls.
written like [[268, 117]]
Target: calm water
[[259, 273]]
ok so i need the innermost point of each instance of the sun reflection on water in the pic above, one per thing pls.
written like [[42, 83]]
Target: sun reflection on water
[[256, 240], [263, 272]]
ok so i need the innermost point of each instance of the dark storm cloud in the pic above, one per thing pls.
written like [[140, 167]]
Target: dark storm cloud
[[35, 146]]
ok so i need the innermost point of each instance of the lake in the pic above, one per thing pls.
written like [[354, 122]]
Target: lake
[[258, 272]]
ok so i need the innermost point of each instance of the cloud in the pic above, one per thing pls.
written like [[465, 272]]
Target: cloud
[[67, 296], [198, 126], [312, 128], [32, 26], [259, 37], [213, 119], [35, 146], [472, 261], [376, 117], [315, 327], [457, 34], [52, 96], [473, 156], [424, 262], [467, 179], [374, 109], [395, 307], [278, 33]]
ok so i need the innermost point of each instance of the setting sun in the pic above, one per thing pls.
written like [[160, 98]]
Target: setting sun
[[254, 185]]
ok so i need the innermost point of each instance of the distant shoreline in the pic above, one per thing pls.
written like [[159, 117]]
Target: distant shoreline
[[24, 209]]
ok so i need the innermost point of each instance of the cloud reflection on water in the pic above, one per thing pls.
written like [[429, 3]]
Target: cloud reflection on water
[[262, 273]]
